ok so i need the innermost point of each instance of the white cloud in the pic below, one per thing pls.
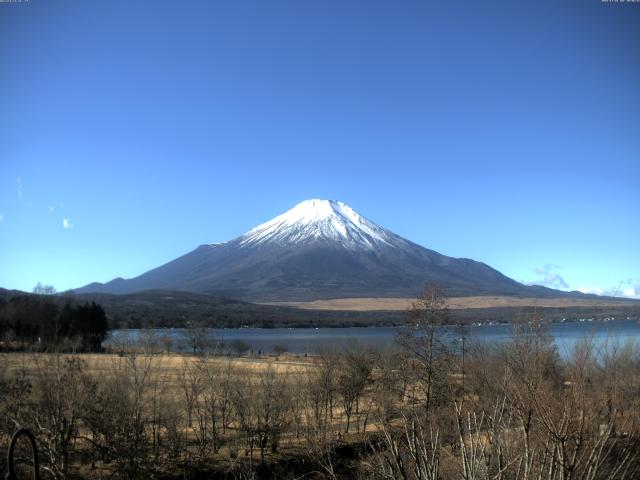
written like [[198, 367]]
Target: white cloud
[[631, 291], [19, 182], [593, 290], [549, 277], [66, 224]]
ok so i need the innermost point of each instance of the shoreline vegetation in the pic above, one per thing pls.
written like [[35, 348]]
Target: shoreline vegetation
[[174, 309], [419, 410], [43, 322], [162, 309]]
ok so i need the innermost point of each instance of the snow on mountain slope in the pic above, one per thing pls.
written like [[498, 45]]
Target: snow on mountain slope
[[320, 249], [314, 220]]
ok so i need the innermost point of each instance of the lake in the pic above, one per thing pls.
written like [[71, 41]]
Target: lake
[[311, 340]]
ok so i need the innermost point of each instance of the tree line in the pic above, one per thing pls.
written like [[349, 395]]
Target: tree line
[[43, 321]]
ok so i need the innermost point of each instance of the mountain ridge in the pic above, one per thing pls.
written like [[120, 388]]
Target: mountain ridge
[[320, 249]]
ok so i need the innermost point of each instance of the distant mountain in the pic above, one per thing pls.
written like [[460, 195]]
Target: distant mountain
[[320, 249]]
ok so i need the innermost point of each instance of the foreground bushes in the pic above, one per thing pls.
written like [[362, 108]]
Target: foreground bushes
[[522, 413], [517, 411]]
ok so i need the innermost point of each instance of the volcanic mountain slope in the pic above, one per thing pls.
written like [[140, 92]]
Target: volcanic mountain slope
[[320, 249]]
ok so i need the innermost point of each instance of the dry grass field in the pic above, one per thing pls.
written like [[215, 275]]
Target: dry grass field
[[350, 414], [454, 303], [176, 387], [165, 366]]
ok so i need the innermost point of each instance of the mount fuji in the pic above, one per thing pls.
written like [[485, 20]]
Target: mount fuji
[[320, 249]]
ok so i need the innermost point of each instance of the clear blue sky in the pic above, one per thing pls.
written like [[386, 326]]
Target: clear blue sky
[[507, 132]]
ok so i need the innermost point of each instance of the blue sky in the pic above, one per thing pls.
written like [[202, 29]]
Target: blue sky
[[507, 132]]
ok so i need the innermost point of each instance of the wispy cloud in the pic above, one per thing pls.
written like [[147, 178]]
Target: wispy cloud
[[19, 182], [629, 288], [1, 217], [66, 224], [52, 208], [549, 278], [61, 204]]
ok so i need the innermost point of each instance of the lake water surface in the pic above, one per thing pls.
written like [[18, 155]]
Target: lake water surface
[[311, 340]]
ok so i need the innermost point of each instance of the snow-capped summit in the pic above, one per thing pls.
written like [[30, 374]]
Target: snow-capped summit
[[319, 249], [320, 220]]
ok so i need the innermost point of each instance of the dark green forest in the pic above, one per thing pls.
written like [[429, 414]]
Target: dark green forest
[[43, 321]]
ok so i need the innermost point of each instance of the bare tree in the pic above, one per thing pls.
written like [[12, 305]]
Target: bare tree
[[60, 396], [353, 377], [263, 415], [279, 349], [428, 356], [214, 399], [550, 421], [120, 414], [314, 388], [41, 289], [240, 347], [196, 337], [167, 343], [148, 341], [412, 450], [190, 386]]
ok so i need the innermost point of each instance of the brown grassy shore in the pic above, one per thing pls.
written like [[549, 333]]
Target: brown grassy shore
[[454, 303]]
